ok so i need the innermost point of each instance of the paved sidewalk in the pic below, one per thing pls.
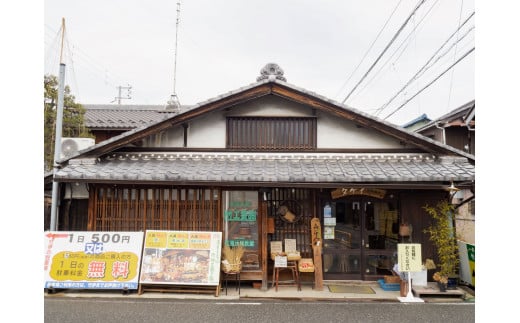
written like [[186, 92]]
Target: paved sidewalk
[[247, 292]]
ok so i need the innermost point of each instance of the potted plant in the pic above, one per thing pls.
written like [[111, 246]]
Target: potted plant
[[442, 235]]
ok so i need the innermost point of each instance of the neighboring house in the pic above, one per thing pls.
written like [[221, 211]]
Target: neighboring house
[[456, 128], [108, 120], [104, 121], [242, 162], [417, 123]]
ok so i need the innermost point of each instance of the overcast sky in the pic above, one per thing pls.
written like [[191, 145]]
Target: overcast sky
[[222, 45]]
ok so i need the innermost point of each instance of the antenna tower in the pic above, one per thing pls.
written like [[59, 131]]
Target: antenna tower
[[173, 103]]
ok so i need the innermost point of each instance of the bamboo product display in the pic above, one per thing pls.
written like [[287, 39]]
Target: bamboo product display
[[291, 256], [232, 262], [392, 279], [306, 265]]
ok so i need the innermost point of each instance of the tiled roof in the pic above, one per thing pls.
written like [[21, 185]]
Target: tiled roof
[[149, 107], [458, 113], [283, 89], [282, 168], [421, 118], [123, 119]]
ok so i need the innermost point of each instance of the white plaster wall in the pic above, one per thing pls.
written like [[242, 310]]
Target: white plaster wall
[[209, 131], [333, 132], [271, 106]]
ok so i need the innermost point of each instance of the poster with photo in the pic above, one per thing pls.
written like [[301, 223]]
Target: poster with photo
[[181, 258]]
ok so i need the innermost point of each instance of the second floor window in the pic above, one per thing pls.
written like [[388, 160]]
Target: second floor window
[[271, 133]]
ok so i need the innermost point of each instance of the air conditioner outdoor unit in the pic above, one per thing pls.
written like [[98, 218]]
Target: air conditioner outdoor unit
[[71, 146]]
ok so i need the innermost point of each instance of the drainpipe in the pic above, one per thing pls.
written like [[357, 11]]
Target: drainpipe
[[443, 132]]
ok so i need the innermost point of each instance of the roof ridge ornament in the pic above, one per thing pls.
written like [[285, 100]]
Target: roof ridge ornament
[[271, 71]]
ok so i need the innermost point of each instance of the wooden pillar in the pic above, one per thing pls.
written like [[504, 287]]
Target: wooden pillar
[[318, 272], [263, 219]]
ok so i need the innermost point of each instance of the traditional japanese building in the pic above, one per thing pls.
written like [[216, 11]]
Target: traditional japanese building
[[257, 164]]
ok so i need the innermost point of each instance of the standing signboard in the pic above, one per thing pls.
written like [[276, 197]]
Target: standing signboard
[[409, 259], [181, 258], [92, 259], [467, 262]]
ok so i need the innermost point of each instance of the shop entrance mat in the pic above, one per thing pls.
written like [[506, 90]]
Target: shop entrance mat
[[351, 289]]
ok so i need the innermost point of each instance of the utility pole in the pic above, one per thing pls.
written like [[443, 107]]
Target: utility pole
[[57, 142], [119, 97]]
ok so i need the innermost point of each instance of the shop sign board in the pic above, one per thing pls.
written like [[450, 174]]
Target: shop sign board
[[409, 257], [92, 259], [181, 258], [349, 191]]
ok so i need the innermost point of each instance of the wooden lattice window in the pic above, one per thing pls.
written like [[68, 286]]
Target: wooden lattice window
[[299, 202], [119, 208], [271, 133]]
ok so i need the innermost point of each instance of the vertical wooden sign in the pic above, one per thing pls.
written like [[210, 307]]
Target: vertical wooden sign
[[315, 231], [316, 250]]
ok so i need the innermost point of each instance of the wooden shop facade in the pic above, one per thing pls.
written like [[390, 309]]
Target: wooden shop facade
[[257, 164]]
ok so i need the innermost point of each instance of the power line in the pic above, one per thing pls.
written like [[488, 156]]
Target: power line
[[405, 41], [95, 68], [386, 48], [371, 45], [433, 81], [421, 72], [425, 66], [73, 71], [454, 55]]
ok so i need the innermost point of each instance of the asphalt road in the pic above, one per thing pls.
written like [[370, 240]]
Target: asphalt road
[[112, 310]]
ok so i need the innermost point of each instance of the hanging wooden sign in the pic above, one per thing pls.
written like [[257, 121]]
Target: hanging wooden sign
[[316, 250], [346, 191], [315, 231]]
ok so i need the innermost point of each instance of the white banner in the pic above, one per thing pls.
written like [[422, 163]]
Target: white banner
[[92, 259]]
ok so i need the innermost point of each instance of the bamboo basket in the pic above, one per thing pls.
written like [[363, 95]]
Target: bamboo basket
[[306, 265], [232, 262], [392, 279], [231, 268]]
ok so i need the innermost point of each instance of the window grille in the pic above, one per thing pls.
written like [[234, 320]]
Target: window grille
[[271, 133]]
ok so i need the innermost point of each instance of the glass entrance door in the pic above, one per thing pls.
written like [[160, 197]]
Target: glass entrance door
[[362, 243], [241, 223]]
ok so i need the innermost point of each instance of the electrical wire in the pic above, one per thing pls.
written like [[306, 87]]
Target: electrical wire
[[405, 42], [433, 81], [96, 69], [370, 47], [73, 74], [421, 2], [454, 55], [425, 67], [51, 54]]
